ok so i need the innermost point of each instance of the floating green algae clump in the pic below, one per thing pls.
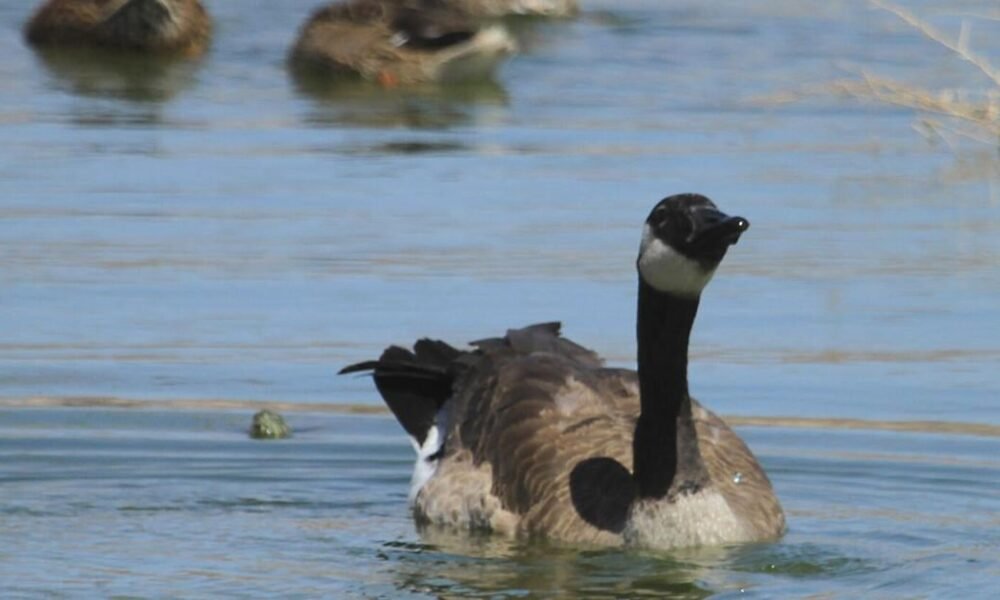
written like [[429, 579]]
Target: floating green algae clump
[[268, 425]]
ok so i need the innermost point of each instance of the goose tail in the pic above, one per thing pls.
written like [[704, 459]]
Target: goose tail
[[414, 384], [417, 383]]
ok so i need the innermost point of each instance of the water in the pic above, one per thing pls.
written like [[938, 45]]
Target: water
[[181, 503], [193, 241]]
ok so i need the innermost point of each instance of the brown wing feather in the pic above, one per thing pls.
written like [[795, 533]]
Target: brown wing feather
[[550, 428], [735, 472]]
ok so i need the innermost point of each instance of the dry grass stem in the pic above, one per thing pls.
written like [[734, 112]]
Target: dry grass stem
[[959, 47], [975, 116], [981, 113]]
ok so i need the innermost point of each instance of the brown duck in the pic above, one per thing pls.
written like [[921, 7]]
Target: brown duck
[[530, 435], [156, 26], [400, 42]]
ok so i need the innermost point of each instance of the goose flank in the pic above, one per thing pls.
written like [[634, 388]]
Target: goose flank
[[530, 435]]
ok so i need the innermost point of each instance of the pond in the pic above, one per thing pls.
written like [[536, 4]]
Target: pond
[[181, 244]]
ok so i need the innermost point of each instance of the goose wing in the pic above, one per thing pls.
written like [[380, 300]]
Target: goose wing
[[539, 441]]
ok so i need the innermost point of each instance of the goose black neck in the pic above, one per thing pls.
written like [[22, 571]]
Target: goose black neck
[[665, 447]]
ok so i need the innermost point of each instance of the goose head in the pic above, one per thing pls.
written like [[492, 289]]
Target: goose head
[[684, 239]]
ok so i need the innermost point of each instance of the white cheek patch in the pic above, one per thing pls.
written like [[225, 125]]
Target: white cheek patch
[[667, 270]]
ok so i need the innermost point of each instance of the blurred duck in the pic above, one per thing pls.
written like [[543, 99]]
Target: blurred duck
[[399, 42], [155, 26]]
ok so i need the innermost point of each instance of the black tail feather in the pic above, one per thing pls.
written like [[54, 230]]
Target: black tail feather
[[368, 365], [413, 385]]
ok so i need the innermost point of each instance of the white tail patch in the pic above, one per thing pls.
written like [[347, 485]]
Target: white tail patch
[[425, 467], [667, 270]]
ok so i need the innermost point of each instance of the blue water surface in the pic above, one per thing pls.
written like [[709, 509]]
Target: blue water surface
[[196, 240]]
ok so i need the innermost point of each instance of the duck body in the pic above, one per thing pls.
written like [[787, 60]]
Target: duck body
[[400, 42], [180, 27], [530, 435]]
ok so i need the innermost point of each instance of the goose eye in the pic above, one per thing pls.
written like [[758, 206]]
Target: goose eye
[[677, 227]]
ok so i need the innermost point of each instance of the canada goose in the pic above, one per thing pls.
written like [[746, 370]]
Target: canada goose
[[160, 26], [530, 435], [398, 42]]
